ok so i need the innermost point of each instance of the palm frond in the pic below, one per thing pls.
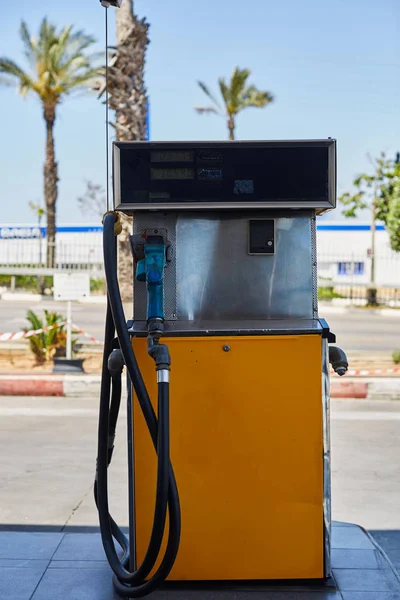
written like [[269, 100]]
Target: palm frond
[[84, 79], [79, 41], [64, 38], [29, 43], [208, 93], [61, 62], [81, 38], [225, 91], [78, 60], [47, 35], [251, 96], [238, 82], [11, 69]]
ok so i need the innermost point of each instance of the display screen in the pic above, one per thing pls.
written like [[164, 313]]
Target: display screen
[[294, 173], [172, 173]]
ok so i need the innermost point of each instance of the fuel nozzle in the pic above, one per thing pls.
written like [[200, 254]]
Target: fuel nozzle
[[150, 269], [338, 360]]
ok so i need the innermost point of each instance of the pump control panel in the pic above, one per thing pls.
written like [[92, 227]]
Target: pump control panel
[[224, 175]]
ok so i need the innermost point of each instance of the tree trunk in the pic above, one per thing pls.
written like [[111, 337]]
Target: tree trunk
[[231, 127], [50, 186], [128, 98]]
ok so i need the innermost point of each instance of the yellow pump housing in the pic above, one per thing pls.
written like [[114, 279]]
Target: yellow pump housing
[[247, 450]]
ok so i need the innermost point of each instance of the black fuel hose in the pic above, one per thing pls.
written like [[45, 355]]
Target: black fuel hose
[[133, 584]]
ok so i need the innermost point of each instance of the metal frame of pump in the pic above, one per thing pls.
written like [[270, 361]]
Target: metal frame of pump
[[117, 353]]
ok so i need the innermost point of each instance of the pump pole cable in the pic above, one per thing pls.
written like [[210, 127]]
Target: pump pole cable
[[107, 111], [133, 584]]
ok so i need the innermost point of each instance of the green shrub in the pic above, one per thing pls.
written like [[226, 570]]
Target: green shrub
[[27, 282], [328, 293], [396, 356], [5, 280], [96, 285], [45, 345]]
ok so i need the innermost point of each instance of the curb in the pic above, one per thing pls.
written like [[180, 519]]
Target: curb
[[10, 297], [50, 385], [75, 386], [27, 387], [349, 389], [368, 388]]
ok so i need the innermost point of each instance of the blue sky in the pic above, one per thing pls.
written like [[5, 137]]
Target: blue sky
[[333, 67]]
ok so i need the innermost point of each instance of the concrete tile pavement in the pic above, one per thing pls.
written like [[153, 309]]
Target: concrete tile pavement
[[75, 569]]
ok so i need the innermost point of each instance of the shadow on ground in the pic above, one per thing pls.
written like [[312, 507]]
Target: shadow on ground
[[389, 541]]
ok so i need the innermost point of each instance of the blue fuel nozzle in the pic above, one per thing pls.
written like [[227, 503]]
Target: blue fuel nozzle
[[151, 269]]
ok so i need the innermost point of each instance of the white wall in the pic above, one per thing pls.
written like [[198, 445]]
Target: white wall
[[343, 253]]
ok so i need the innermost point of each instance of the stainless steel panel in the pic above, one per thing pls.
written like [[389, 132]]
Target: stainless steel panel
[[212, 276], [217, 279], [327, 455]]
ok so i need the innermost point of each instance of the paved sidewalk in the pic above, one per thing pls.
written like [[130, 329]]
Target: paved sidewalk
[[72, 566]]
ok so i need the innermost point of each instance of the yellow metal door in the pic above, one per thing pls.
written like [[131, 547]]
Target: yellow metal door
[[247, 450]]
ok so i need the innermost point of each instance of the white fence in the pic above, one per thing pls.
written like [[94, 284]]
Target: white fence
[[26, 248]]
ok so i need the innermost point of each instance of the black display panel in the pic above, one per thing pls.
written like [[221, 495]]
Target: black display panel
[[236, 172]]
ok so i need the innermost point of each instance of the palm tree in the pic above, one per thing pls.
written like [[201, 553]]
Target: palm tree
[[128, 98], [59, 65], [236, 97]]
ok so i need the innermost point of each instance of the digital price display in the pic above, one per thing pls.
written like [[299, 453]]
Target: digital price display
[[176, 156], [157, 173], [275, 174]]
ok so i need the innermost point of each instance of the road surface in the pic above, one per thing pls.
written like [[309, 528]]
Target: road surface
[[358, 331]]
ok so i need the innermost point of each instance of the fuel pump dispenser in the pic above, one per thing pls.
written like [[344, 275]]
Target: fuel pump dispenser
[[225, 301]]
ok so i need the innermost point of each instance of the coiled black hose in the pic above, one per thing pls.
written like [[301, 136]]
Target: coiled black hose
[[133, 584]]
